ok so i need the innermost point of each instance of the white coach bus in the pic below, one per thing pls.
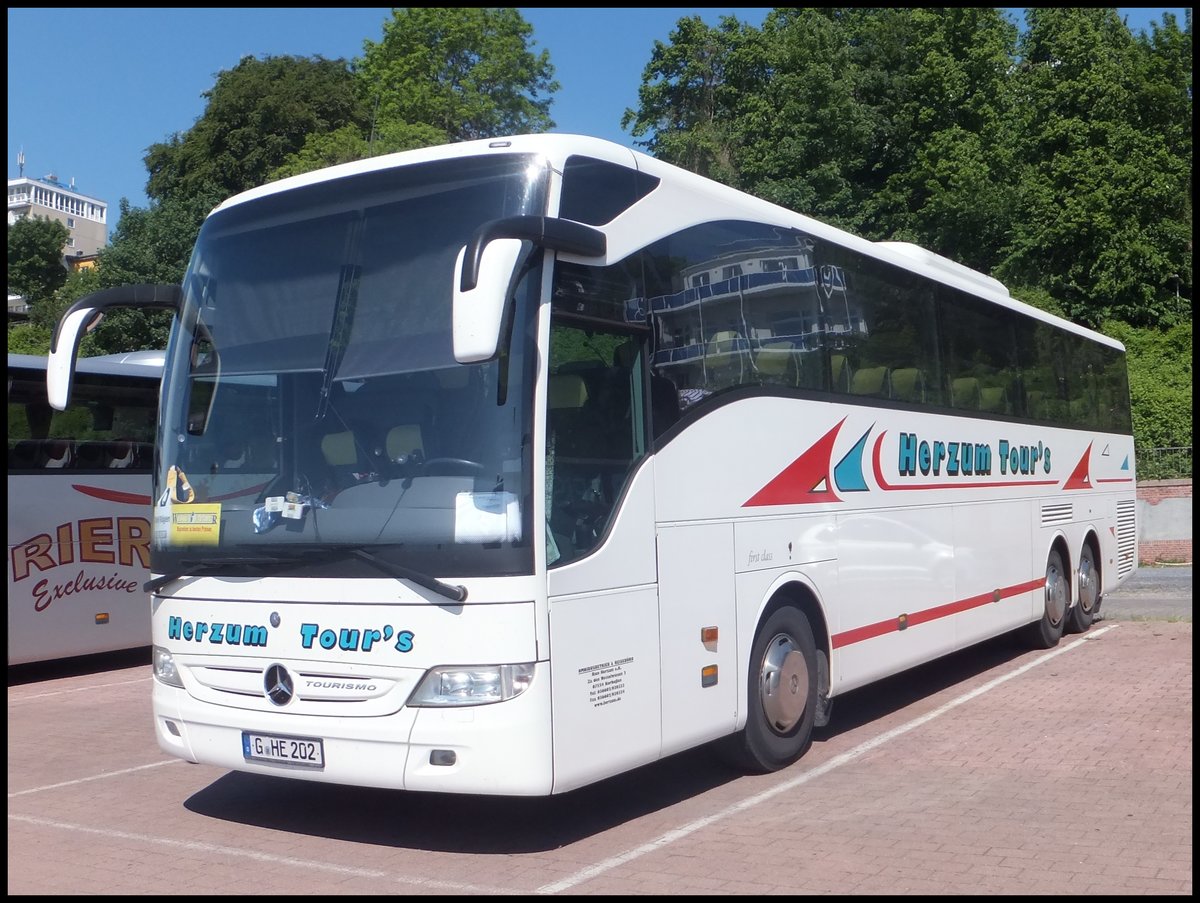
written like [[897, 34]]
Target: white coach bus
[[579, 460], [79, 507]]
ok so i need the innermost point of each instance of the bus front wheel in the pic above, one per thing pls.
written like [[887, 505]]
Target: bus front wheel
[[781, 697], [1048, 630]]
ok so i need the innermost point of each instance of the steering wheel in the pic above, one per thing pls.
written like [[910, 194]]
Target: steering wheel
[[452, 467]]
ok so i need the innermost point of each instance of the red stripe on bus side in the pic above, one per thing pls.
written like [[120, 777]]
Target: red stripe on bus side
[[112, 495], [892, 625]]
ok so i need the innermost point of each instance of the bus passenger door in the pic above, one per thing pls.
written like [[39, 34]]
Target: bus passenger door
[[604, 650], [600, 555]]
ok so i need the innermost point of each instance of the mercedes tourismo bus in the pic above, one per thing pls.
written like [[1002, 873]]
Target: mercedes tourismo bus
[[79, 507], [573, 460]]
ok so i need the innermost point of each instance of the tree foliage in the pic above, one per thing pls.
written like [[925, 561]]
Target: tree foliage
[[1056, 156], [257, 114], [465, 73], [35, 258]]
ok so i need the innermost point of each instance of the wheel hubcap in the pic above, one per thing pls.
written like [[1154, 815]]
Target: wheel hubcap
[[783, 683], [1056, 594], [1087, 585]]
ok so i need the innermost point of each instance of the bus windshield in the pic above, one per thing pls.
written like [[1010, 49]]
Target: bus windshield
[[312, 398]]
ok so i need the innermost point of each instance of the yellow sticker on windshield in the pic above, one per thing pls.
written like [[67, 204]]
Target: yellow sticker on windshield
[[197, 525]]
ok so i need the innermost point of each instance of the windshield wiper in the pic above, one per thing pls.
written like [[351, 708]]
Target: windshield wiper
[[202, 566], [457, 593], [197, 566]]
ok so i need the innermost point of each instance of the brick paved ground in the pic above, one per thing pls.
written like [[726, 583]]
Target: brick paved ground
[[1006, 772]]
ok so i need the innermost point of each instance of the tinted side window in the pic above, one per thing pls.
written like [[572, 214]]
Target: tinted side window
[[595, 191]]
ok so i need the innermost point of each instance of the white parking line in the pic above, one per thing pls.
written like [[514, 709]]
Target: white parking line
[[72, 691], [240, 852], [845, 758], [95, 777]]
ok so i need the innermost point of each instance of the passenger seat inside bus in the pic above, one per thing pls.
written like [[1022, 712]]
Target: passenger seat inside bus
[[841, 372], [908, 384], [57, 453], [964, 393], [875, 381], [92, 454], [776, 363]]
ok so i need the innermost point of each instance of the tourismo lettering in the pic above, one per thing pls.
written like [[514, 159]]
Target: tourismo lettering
[[955, 458], [94, 536], [217, 633]]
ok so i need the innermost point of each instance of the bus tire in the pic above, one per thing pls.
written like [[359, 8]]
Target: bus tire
[[781, 695], [1048, 630], [1087, 590]]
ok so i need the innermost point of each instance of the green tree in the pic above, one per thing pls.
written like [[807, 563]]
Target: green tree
[[689, 98], [1160, 386], [803, 134], [35, 257], [1103, 210], [257, 114], [455, 75]]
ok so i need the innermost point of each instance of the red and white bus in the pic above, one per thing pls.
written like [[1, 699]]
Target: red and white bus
[[572, 460], [79, 507]]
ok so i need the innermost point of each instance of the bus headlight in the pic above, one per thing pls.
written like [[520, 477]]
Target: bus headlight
[[449, 685], [164, 667]]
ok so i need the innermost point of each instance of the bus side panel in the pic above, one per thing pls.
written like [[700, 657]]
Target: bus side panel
[[993, 570], [696, 589], [78, 554], [895, 571], [606, 690]]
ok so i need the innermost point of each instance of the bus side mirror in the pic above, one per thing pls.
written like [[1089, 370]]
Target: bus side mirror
[[478, 312], [60, 366], [82, 317], [485, 268]]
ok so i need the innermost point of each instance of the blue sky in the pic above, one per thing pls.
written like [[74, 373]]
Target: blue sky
[[89, 90]]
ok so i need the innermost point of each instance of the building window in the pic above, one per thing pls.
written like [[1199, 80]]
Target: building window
[[70, 222]]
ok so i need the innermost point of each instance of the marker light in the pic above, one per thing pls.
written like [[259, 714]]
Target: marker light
[[457, 685]]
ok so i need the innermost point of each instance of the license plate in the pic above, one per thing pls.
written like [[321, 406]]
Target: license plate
[[307, 752]]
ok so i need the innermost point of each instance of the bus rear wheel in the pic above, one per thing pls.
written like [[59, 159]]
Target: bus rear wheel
[[781, 695], [1084, 609], [1048, 630]]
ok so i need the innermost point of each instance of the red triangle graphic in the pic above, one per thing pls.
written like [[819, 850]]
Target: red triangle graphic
[[805, 481], [1079, 478]]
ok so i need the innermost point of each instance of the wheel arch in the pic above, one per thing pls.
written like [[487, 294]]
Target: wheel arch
[[793, 589]]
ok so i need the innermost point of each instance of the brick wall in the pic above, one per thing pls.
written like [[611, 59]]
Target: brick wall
[[1165, 521]]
